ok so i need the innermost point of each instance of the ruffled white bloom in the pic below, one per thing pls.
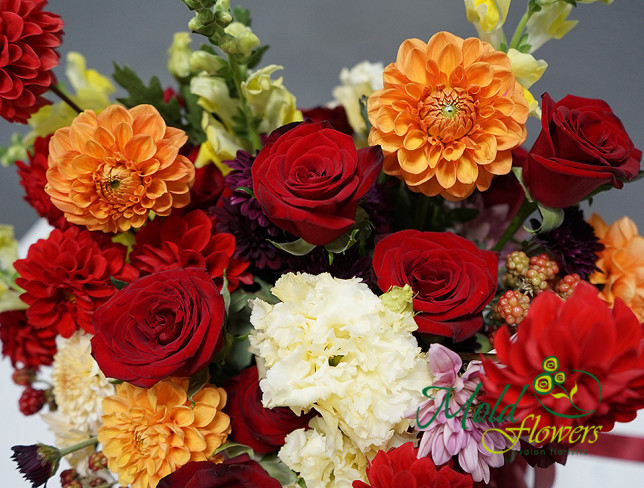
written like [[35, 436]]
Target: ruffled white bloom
[[363, 79], [323, 457], [79, 384], [332, 345]]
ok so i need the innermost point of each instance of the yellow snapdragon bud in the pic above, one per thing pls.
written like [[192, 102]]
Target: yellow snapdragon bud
[[180, 55], [551, 22], [239, 40], [488, 16]]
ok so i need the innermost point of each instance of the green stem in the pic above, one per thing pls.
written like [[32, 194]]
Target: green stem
[[76, 447], [65, 98], [524, 212], [516, 37], [239, 75]]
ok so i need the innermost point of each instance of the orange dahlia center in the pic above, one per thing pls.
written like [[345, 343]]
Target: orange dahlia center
[[447, 114], [116, 183]]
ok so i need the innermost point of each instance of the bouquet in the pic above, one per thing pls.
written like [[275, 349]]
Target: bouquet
[[388, 290]]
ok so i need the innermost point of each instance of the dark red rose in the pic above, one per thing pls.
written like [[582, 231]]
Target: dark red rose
[[33, 178], [261, 428], [309, 179], [22, 344], [598, 353], [28, 41], [452, 279], [582, 145], [164, 324], [399, 467], [66, 277], [189, 240], [336, 116], [238, 472]]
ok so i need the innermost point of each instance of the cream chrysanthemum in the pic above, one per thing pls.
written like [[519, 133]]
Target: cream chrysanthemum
[[79, 384], [332, 345], [148, 433], [66, 434]]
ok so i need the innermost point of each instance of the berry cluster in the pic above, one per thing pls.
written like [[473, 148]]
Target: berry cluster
[[70, 478]]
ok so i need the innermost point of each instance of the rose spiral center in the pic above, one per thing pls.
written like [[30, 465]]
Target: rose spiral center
[[447, 114]]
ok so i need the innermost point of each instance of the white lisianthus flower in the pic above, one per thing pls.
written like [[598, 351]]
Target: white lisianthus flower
[[332, 345], [324, 458], [363, 79], [79, 384]]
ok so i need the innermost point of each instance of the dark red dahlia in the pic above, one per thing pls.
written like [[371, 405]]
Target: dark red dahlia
[[28, 41], [208, 188], [67, 276], [23, 344], [33, 177], [400, 467], [189, 240], [579, 362], [263, 429]]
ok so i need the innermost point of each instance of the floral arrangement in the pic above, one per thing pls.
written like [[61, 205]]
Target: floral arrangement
[[384, 291]]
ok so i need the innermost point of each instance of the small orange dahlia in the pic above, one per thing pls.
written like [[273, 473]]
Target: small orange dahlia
[[449, 115], [150, 433], [621, 263], [109, 171]]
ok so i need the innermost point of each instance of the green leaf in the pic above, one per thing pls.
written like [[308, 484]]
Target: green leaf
[[278, 470], [256, 56], [118, 284], [247, 190], [241, 14], [233, 450], [296, 248], [151, 94], [551, 218], [193, 114], [518, 172], [225, 293], [342, 243], [197, 382]]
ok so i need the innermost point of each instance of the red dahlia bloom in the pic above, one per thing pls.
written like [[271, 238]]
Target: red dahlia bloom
[[67, 276], [28, 41], [24, 344], [594, 347], [400, 467], [190, 240], [33, 178]]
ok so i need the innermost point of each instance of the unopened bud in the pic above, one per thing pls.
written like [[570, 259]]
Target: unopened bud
[[223, 17], [204, 61], [228, 44]]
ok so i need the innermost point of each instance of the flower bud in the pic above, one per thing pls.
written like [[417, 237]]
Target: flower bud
[[205, 61], [223, 18], [246, 40]]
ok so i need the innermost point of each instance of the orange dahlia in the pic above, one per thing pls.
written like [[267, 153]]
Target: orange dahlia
[[449, 115], [621, 263], [150, 433], [109, 171]]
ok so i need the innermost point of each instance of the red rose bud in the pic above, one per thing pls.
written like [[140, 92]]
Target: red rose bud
[[309, 178], [240, 472], [262, 429], [165, 324], [452, 279], [582, 145]]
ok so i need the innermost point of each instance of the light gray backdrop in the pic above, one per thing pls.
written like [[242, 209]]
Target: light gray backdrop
[[601, 58]]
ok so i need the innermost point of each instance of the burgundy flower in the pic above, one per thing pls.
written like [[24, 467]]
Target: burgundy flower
[[37, 462], [33, 179], [399, 467], [67, 276], [336, 116], [208, 188], [238, 472], [165, 324], [28, 41], [189, 240], [262, 429], [596, 351], [23, 344], [452, 279]]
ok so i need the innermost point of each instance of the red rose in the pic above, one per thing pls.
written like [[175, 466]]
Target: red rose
[[164, 324], [238, 472], [452, 279], [29, 346], [28, 41], [399, 467], [582, 145], [261, 428], [309, 178], [598, 353], [67, 276]]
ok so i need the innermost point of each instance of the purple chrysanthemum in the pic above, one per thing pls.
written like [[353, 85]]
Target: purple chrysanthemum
[[574, 244]]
